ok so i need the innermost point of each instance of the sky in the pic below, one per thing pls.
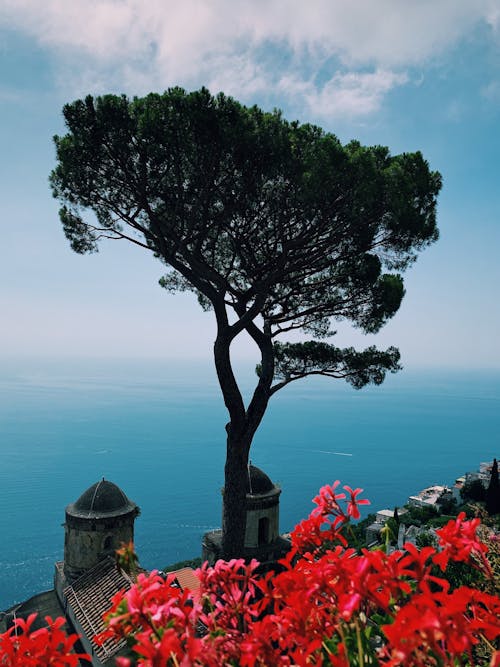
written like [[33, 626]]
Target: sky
[[413, 75]]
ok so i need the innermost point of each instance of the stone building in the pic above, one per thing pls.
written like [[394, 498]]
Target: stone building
[[96, 524], [431, 496], [87, 579], [262, 538]]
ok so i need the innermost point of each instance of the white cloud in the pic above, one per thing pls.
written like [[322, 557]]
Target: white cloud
[[349, 94], [139, 45]]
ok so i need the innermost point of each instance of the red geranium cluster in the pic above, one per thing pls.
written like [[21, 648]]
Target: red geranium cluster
[[328, 605], [22, 647]]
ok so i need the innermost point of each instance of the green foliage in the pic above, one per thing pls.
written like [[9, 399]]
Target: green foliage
[[448, 505], [242, 203], [473, 490], [439, 521], [425, 539], [461, 574], [470, 509], [193, 562], [492, 496], [356, 535], [419, 516], [294, 360], [393, 528]]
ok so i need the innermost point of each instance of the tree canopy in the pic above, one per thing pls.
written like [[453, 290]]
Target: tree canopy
[[492, 494], [275, 225]]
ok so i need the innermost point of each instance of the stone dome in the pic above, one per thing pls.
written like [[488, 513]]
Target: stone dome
[[103, 499], [258, 483]]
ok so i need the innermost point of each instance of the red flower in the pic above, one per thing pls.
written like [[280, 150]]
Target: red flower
[[459, 542], [327, 500], [352, 506], [329, 606], [20, 647]]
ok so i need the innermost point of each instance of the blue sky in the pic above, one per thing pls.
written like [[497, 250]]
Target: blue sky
[[410, 75]]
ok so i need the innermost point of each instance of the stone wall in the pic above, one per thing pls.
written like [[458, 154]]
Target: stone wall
[[87, 541]]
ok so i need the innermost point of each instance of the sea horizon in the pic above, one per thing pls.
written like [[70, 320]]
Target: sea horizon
[[156, 428]]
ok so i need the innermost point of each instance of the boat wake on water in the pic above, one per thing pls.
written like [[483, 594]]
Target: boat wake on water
[[324, 451]]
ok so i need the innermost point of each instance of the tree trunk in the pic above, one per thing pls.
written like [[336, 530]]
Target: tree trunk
[[234, 497], [241, 428], [236, 477]]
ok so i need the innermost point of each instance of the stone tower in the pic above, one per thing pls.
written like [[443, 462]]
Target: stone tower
[[96, 524], [262, 521], [262, 538]]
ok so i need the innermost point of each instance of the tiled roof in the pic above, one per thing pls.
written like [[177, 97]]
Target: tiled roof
[[90, 597], [187, 579]]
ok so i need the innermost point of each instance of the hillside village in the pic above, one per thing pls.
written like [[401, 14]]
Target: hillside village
[[427, 510]]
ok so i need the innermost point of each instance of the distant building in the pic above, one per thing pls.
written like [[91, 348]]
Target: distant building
[[483, 474], [457, 487], [431, 496], [384, 515], [372, 533]]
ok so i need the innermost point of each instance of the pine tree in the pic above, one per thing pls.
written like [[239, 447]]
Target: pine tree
[[275, 226], [493, 491]]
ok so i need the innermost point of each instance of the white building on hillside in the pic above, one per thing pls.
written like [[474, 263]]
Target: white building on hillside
[[431, 496], [483, 474]]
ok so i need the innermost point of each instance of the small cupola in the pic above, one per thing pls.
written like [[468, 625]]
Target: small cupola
[[96, 524], [262, 503], [262, 537]]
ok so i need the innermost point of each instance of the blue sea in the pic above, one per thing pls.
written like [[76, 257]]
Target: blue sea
[[157, 430]]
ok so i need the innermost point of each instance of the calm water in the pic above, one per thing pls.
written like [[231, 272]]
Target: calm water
[[158, 432]]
